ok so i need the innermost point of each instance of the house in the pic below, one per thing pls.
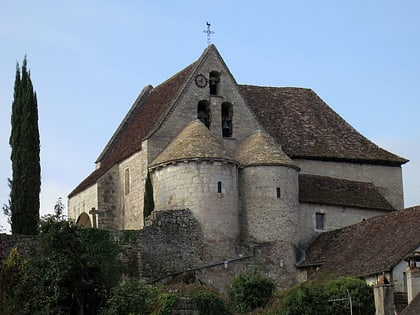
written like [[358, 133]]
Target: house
[[383, 247], [257, 167]]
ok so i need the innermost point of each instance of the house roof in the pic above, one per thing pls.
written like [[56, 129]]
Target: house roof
[[369, 247], [413, 308], [261, 149], [341, 192], [306, 127], [297, 118], [195, 141]]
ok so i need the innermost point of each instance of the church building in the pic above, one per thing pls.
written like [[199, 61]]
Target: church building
[[252, 165]]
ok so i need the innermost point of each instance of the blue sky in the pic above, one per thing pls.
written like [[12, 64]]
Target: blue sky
[[90, 59]]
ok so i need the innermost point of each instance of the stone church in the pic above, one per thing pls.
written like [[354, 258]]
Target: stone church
[[261, 171]]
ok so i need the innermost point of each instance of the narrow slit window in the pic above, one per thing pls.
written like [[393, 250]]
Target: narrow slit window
[[320, 221], [219, 187], [127, 181], [278, 192]]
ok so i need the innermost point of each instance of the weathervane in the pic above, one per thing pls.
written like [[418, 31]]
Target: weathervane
[[208, 32]]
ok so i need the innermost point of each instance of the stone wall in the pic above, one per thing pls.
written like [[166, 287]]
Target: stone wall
[[109, 205], [185, 110], [132, 192], [194, 185], [336, 217], [83, 202]]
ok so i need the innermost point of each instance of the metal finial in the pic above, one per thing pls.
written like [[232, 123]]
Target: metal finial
[[208, 32]]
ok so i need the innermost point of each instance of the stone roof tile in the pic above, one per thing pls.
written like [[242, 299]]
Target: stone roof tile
[[366, 248], [341, 192], [195, 141], [261, 149], [308, 128]]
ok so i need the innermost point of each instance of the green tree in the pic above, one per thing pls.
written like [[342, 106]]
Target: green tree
[[149, 203], [250, 291], [329, 298], [26, 169]]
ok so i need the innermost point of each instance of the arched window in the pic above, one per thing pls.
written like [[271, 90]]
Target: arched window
[[227, 114], [83, 220], [203, 113], [214, 80]]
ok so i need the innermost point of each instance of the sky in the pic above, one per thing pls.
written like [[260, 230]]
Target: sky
[[89, 60]]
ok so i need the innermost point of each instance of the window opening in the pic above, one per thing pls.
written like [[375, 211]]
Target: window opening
[[219, 187], [203, 113], [320, 221], [227, 114], [278, 192], [214, 80], [127, 181]]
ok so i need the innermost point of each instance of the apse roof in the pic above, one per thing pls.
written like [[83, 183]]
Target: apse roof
[[261, 149], [194, 142]]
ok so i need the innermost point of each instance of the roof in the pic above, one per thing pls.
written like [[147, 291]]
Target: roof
[[195, 141], [341, 192], [306, 127], [261, 149], [413, 308], [369, 247], [297, 118]]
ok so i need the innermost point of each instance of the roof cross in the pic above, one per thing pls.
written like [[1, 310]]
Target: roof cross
[[208, 32]]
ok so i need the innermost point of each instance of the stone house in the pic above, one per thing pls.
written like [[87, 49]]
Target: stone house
[[381, 250], [255, 167]]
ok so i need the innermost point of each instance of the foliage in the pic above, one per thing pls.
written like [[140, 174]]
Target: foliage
[[25, 156], [209, 303], [13, 283], [130, 297], [7, 208], [149, 203], [166, 302], [250, 291], [72, 272], [326, 298]]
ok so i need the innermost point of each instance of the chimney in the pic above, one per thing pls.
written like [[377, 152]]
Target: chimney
[[384, 297], [413, 276]]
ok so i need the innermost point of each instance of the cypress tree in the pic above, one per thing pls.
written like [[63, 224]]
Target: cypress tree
[[25, 145], [149, 203]]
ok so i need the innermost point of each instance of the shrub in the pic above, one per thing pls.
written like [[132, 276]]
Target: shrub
[[209, 303], [130, 297], [250, 291]]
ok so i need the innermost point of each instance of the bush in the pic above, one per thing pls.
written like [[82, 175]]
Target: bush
[[209, 303], [325, 298], [166, 303], [130, 297], [250, 291]]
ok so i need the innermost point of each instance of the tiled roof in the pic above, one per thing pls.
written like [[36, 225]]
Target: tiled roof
[[297, 118], [308, 128], [261, 149], [366, 248], [341, 192], [413, 308], [195, 141], [145, 115]]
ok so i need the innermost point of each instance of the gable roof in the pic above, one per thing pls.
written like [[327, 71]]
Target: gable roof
[[195, 141], [306, 127], [413, 308], [369, 247], [297, 118], [341, 192]]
